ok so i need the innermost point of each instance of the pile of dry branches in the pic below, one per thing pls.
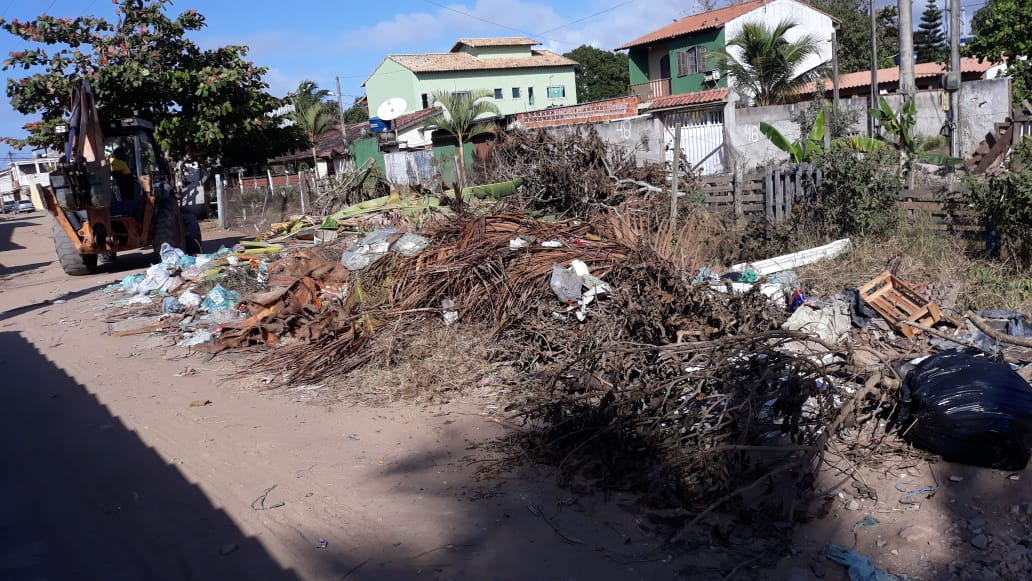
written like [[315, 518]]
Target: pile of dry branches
[[573, 171]]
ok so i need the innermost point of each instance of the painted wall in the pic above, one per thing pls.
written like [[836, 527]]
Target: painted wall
[[809, 21], [363, 149], [713, 40], [505, 79], [391, 80], [638, 61]]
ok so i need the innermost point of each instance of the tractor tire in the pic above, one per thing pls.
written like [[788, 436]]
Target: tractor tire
[[192, 234], [165, 228], [73, 263]]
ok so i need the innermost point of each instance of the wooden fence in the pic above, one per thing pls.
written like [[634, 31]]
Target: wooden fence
[[775, 193]]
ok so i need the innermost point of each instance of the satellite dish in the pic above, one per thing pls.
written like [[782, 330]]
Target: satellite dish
[[391, 108]]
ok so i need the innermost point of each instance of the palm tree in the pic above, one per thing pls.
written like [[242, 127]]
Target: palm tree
[[463, 116], [766, 64], [312, 115]]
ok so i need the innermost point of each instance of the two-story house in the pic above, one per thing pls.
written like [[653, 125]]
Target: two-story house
[[519, 77], [675, 59]]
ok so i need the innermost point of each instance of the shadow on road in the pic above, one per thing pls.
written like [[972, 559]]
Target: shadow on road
[[7, 228], [86, 498]]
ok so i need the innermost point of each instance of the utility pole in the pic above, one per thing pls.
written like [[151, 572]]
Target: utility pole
[[834, 78], [340, 106], [874, 71], [906, 50], [953, 78]]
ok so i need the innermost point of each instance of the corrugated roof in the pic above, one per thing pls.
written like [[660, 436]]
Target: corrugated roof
[[505, 41], [921, 70], [328, 144], [461, 61], [686, 99], [695, 23], [410, 119]]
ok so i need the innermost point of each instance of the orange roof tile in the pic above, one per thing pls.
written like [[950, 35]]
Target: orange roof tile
[[685, 99], [506, 41], [921, 70], [689, 24], [461, 61]]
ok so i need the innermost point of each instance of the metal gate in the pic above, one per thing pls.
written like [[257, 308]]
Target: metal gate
[[702, 139]]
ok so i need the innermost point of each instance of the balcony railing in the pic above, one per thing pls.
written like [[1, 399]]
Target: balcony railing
[[651, 89]]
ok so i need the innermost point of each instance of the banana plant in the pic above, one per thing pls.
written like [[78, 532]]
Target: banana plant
[[803, 149]]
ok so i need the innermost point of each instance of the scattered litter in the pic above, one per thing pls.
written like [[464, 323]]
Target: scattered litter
[[450, 315], [796, 259], [517, 243], [552, 244], [190, 300], [373, 247], [171, 305], [860, 567], [220, 299], [228, 548], [830, 323], [566, 284], [410, 244], [259, 503], [199, 403], [867, 521], [199, 337], [321, 543], [897, 302]]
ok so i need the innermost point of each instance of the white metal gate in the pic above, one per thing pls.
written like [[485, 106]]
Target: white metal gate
[[702, 139]]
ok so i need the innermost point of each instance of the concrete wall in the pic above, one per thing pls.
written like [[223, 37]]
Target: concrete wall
[[983, 104], [641, 136]]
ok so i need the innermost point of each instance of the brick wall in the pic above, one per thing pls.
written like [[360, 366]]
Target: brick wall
[[593, 112]]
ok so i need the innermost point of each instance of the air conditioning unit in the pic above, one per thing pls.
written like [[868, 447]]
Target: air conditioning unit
[[712, 76]]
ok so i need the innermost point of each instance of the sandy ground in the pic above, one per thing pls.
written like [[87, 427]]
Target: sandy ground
[[110, 473]]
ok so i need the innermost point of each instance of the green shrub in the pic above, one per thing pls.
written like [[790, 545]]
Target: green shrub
[[857, 195], [1004, 202]]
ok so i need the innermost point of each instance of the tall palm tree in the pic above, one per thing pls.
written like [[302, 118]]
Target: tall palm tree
[[464, 116], [766, 66], [312, 115]]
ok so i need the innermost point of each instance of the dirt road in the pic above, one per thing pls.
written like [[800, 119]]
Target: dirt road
[[110, 473]]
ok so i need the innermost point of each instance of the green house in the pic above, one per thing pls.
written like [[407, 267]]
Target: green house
[[519, 77], [670, 63]]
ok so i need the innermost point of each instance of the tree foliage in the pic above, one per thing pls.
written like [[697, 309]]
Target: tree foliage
[[207, 105], [312, 114], [854, 33], [601, 74], [1002, 34], [464, 115], [768, 68], [356, 113], [929, 38]]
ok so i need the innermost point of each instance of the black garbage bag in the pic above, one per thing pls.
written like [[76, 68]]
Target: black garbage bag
[[968, 409]]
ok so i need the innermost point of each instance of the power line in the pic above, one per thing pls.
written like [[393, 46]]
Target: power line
[[589, 17], [475, 17]]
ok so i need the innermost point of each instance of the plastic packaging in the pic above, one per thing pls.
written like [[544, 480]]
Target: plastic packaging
[[190, 299], [362, 253], [566, 284], [410, 244], [171, 305], [220, 299], [132, 282], [450, 316], [968, 409], [155, 279], [860, 567], [170, 254], [517, 243]]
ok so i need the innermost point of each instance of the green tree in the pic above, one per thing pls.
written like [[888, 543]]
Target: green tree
[[854, 33], [929, 39], [464, 115], [356, 113], [312, 114], [1002, 34], [207, 105], [768, 67], [601, 74]]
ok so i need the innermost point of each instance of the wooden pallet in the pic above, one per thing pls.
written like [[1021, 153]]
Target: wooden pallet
[[896, 301]]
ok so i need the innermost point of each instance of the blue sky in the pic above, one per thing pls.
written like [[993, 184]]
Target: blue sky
[[321, 39]]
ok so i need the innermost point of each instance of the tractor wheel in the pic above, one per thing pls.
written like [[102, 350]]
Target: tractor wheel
[[165, 228], [192, 234], [72, 262]]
